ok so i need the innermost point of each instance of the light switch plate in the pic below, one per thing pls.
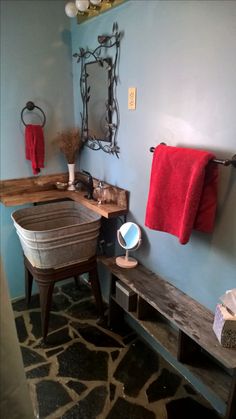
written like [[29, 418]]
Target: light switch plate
[[132, 98]]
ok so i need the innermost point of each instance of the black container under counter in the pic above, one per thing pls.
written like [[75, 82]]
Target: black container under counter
[[125, 297]]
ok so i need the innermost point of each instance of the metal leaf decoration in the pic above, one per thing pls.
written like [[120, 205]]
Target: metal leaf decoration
[[115, 27]]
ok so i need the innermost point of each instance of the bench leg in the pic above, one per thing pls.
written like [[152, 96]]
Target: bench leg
[[95, 285], [188, 350], [76, 278], [231, 405], [28, 285], [115, 315], [45, 294]]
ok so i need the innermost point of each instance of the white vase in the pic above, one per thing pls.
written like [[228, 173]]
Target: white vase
[[71, 169]]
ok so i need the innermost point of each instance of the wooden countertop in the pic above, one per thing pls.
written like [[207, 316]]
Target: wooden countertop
[[42, 189]]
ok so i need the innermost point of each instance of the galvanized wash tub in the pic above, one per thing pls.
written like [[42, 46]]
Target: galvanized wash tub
[[58, 234]]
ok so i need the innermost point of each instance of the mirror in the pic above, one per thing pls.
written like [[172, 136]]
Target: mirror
[[98, 81], [98, 114], [129, 237]]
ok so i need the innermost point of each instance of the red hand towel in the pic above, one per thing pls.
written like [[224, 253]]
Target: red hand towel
[[34, 147], [183, 192]]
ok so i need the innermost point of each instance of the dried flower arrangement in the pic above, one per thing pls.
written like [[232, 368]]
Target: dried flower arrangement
[[70, 143]]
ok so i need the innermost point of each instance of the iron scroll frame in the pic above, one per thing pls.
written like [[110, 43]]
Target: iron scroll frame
[[106, 42]]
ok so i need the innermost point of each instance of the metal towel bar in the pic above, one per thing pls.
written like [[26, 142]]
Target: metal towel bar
[[226, 162]]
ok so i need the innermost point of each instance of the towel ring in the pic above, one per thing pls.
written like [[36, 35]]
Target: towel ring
[[30, 106]]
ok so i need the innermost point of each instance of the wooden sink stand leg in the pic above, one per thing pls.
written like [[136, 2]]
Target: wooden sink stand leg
[[46, 279], [28, 285]]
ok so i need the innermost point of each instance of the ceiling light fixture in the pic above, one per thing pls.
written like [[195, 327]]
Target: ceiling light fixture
[[85, 9]]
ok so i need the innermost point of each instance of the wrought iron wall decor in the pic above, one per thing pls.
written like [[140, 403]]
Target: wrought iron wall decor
[[110, 119]]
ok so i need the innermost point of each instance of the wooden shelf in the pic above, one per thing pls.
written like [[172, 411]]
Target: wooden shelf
[[205, 369], [42, 189], [159, 329], [181, 325], [212, 376]]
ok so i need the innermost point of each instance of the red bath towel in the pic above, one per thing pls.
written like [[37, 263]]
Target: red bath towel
[[34, 147], [183, 192]]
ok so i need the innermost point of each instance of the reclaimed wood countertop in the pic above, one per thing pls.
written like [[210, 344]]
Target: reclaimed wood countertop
[[22, 191]]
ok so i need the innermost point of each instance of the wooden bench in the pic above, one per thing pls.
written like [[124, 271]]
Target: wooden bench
[[181, 325]]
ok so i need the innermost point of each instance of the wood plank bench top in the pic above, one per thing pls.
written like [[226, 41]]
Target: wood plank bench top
[[184, 312]]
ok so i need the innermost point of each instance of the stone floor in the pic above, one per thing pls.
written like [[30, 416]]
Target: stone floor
[[86, 371]]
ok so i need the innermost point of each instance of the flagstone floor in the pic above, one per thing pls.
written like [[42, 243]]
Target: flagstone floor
[[86, 371]]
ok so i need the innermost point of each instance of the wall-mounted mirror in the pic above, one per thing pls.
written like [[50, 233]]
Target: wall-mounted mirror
[[98, 81], [99, 115], [129, 237]]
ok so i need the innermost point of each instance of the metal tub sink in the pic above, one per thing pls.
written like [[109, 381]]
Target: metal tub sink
[[57, 234]]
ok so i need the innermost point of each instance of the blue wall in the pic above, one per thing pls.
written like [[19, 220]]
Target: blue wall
[[35, 65], [180, 57]]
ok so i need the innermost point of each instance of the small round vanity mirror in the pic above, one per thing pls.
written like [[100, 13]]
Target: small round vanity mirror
[[129, 237]]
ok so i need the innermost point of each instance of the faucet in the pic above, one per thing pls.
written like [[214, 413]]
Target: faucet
[[88, 185]]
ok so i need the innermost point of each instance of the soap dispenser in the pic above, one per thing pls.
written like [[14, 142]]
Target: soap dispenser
[[100, 192]]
